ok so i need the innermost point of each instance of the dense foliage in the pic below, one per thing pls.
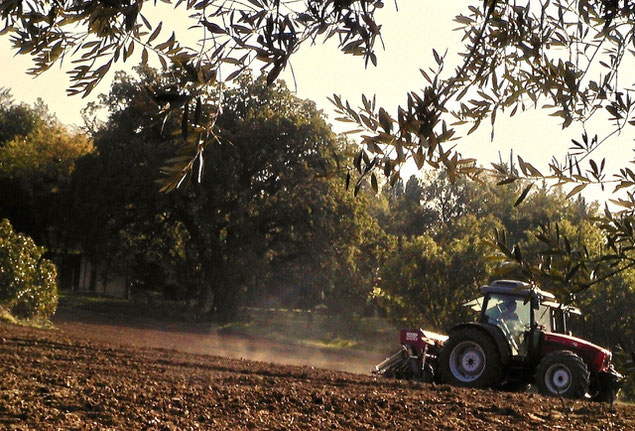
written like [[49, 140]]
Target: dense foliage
[[28, 286], [565, 56], [37, 158], [445, 254], [268, 223]]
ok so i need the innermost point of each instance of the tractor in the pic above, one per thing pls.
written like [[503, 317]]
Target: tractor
[[520, 338]]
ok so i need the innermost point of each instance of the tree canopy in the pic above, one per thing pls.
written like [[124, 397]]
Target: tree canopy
[[37, 157], [268, 220], [564, 56], [441, 264]]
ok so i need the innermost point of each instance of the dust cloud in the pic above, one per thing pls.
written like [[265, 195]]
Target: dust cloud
[[198, 339]]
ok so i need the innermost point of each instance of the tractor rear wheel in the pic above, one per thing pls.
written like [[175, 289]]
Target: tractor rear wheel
[[562, 373], [470, 358]]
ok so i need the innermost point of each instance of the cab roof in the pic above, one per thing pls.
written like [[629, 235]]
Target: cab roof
[[516, 288]]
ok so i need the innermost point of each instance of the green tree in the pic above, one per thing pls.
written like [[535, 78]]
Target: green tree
[[269, 200], [406, 213], [15, 120], [28, 286], [503, 58], [565, 56], [36, 162], [435, 272], [427, 281]]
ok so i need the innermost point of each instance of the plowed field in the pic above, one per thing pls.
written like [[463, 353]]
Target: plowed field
[[56, 379]]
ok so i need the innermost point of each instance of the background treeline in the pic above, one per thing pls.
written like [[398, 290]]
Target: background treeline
[[270, 224]]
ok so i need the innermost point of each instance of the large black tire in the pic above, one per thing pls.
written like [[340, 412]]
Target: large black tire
[[470, 358], [562, 373]]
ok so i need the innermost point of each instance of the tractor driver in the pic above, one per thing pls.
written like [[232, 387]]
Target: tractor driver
[[505, 316], [508, 313]]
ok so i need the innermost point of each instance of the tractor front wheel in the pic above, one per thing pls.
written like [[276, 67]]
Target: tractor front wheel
[[470, 358], [562, 373]]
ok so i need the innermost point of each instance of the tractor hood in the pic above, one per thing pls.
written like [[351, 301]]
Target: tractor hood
[[598, 358], [572, 341]]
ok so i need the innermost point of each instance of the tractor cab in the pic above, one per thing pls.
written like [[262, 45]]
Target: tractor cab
[[522, 312]]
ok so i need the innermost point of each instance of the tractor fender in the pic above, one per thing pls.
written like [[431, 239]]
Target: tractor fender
[[495, 333]]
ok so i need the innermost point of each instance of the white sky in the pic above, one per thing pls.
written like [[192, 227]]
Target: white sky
[[321, 70]]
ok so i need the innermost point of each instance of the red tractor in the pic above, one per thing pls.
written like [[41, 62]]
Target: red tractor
[[520, 338]]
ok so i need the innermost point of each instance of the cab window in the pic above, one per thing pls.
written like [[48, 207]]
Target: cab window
[[513, 316], [508, 308], [544, 318]]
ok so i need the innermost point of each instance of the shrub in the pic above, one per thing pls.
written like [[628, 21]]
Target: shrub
[[28, 285]]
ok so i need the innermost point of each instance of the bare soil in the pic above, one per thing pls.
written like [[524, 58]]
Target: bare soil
[[196, 337], [92, 375]]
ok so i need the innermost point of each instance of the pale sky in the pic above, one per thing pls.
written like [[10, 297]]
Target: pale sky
[[322, 70]]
